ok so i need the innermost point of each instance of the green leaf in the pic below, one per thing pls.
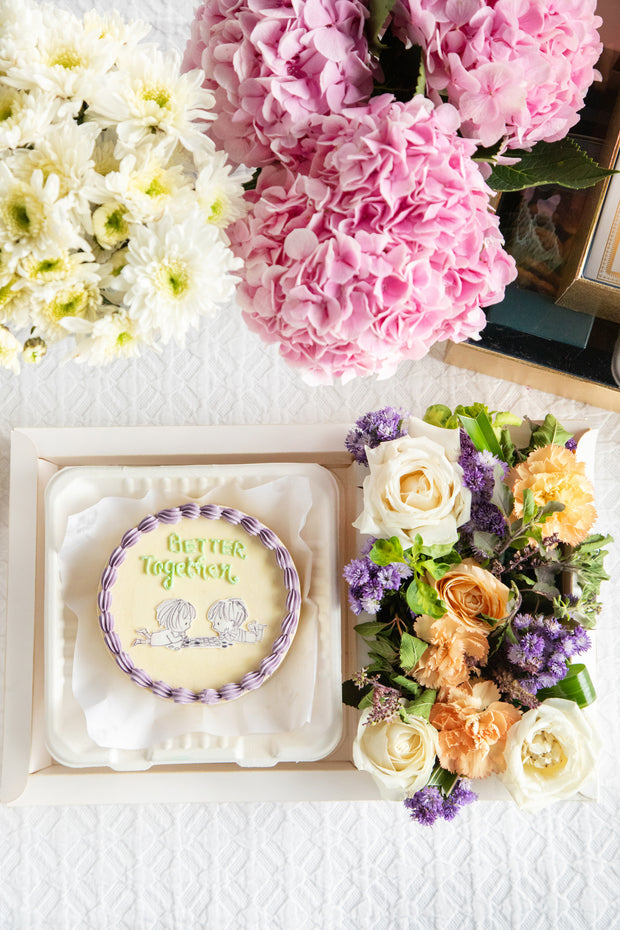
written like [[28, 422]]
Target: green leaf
[[440, 415], [577, 687], [442, 779], [549, 432], [423, 599], [379, 11], [401, 67], [384, 649], [351, 693], [411, 649], [529, 506], [366, 701], [421, 707], [485, 542], [369, 629], [386, 551], [440, 551], [481, 433], [562, 163], [406, 684], [436, 569], [251, 184]]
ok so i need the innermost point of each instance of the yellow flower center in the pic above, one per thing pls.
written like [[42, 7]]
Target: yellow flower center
[[70, 302], [123, 339], [22, 215], [172, 278], [67, 58], [158, 94]]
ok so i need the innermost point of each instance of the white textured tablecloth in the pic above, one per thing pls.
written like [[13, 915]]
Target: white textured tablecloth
[[329, 866]]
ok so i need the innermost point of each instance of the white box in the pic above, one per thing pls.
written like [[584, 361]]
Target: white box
[[29, 775]]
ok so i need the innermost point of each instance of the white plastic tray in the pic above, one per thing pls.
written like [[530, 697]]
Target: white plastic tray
[[74, 490]]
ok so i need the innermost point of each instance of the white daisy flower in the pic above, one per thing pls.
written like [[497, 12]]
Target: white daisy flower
[[10, 349], [147, 187], [24, 116], [151, 101], [110, 225], [54, 268], [32, 219], [68, 61], [112, 26], [113, 336], [220, 193], [66, 151], [177, 272], [54, 316], [20, 23]]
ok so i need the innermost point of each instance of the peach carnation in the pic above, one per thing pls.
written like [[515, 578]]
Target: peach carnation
[[444, 663], [553, 473], [473, 724], [469, 591]]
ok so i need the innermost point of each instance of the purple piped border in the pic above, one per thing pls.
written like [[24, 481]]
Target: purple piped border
[[280, 646]]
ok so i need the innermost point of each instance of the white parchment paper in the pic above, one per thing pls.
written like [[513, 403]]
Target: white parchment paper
[[121, 715]]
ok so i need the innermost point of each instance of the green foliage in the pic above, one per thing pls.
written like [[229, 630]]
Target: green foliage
[[421, 707], [411, 650], [378, 12], [563, 163], [577, 687]]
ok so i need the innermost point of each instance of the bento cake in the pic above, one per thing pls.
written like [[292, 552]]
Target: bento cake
[[199, 603]]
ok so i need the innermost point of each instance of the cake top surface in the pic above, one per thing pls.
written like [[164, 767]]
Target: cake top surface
[[199, 603]]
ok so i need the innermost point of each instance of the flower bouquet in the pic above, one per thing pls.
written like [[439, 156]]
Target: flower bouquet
[[113, 201], [482, 581], [380, 131]]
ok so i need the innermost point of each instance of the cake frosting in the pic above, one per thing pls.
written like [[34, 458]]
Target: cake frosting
[[199, 603]]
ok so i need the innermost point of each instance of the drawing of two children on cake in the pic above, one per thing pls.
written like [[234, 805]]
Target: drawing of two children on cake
[[227, 618]]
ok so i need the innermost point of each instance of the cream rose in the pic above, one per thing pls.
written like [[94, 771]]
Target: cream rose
[[415, 487], [399, 756], [549, 754]]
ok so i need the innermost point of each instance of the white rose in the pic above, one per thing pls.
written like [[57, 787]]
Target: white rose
[[549, 754], [415, 486], [399, 756]]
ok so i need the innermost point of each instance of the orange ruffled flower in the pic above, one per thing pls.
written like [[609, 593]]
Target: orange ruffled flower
[[445, 661], [554, 474], [473, 725], [469, 590]]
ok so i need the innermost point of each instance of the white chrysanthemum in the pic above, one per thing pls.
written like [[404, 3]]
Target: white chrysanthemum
[[110, 226], [68, 61], [32, 219], [53, 317], [220, 193], [64, 266], [177, 272], [113, 336], [147, 187], [20, 24], [66, 150], [111, 279], [112, 26], [24, 116], [10, 348], [151, 101]]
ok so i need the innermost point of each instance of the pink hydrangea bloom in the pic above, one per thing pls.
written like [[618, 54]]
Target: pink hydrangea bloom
[[385, 246], [273, 64], [517, 69]]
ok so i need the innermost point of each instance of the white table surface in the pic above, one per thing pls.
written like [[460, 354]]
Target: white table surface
[[329, 866]]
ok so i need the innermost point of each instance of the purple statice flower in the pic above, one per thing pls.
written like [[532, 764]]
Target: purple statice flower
[[478, 476], [386, 703], [374, 428], [430, 804], [571, 444], [369, 582], [538, 658]]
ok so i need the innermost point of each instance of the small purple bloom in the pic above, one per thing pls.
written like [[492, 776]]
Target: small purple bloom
[[368, 582], [570, 444], [374, 428], [430, 804]]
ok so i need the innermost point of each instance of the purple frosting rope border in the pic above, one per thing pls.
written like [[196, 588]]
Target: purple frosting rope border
[[280, 646]]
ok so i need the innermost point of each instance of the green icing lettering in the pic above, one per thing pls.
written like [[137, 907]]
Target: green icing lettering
[[193, 568], [174, 543]]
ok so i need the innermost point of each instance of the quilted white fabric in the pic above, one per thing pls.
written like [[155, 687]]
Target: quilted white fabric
[[325, 866]]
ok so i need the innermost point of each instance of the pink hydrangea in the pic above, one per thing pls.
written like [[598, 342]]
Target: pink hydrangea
[[273, 64], [517, 69], [384, 247]]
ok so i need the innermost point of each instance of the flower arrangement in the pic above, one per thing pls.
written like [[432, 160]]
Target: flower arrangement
[[481, 577], [114, 201], [379, 131]]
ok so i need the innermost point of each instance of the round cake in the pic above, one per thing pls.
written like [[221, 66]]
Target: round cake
[[199, 603]]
